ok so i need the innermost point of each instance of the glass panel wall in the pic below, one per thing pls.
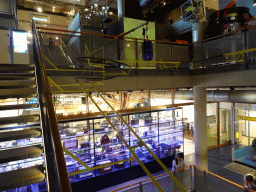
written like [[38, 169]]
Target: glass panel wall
[[225, 113], [245, 134], [211, 124]]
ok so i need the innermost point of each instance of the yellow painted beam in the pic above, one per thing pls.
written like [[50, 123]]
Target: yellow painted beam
[[240, 52], [55, 84], [77, 159], [246, 118], [72, 70], [99, 166], [50, 62]]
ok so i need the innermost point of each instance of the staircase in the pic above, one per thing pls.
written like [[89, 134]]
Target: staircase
[[17, 82]]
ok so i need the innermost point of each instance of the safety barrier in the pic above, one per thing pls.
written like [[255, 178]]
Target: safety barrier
[[192, 177]]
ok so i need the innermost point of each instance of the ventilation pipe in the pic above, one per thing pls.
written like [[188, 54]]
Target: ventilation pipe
[[213, 96]]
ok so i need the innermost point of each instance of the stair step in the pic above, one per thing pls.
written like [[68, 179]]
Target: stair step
[[16, 154], [20, 134], [17, 74], [21, 177], [21, 106], [19, 86], [17, 70], [19, 119], [16, 82], [18, 77], [17, 66], [18, 93]]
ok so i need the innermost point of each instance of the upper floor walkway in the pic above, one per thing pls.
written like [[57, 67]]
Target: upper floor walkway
[[223, 61]]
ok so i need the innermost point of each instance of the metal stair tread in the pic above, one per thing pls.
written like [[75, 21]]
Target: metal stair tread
[[20, 106], [12, 77], [23, 66], [19, 134], [17, 70], [16, 82], [15, 154], [21, 177], [17, 74], [17, 93], [19, 119]]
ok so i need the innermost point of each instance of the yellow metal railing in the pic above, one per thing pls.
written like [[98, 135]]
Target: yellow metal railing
[[93, 168], [239, 54], [140, 140], [246, 118]]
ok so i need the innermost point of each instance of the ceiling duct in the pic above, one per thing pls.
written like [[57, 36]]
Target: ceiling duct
[[239, 96]]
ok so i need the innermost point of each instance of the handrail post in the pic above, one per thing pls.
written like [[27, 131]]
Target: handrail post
[[136, 55], [141, 187], [56, 169], [246, 47]]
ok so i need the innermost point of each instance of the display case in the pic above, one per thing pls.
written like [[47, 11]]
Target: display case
[[95, 142]]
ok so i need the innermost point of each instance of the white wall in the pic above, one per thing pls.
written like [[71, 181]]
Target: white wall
[[26, 16], [188, 112]]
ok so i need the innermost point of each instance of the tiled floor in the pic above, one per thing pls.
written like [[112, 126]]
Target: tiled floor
[[217, 159]]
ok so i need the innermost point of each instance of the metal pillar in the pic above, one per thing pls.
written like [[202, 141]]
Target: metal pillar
[[173, 102], [218, 123], [149, 99], [249, 135], [121, 8], [233, 132], [121, 99], [201, 159]]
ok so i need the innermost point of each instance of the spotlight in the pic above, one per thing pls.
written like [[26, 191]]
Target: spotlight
[[39, 9]]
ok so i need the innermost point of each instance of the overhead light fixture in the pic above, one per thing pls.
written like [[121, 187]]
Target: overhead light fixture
[[57, 38], [29, 34], [164, 3], [39, 9]]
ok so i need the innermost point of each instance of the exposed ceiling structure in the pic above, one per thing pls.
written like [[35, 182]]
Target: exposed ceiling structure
[[64, 6]]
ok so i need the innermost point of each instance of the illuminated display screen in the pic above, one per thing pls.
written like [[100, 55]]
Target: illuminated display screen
[[20, 42]]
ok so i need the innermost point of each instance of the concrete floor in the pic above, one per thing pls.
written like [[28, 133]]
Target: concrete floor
[[217, 159]]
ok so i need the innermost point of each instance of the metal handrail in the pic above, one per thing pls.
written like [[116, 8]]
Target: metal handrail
[[146, 180], [219, 177], [56, 171], [165, 174], [104, 35]]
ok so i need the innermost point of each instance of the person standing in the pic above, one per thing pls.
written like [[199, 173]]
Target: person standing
[[250, 182], [177, 163], [51, 44]]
